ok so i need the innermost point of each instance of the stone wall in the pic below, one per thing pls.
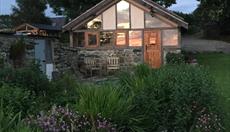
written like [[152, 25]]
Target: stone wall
[[127, 57], [65, 58], [5, 44]]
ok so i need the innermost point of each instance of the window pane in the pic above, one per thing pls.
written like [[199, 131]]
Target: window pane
[[92, 39], [137, 13], [79, 39], [170, 37], [106, 38], [123, 15], [135, 38], [95, 23], [121, 39], [109, 19], [153, 22]]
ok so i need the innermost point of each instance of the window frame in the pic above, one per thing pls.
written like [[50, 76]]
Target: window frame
[[142, 38], [87, 39], [113, 41], [117, 27], [126, 38]]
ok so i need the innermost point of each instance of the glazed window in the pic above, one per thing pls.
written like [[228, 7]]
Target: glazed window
[[79, 39], [121, 38], [135, 38], [154, 22], [92, 39], [106, 39], [123, 15], [170, 37], [95, 23]]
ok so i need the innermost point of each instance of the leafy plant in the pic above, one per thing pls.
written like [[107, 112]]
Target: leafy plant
[[64, 119], [15, 99], [171, 98], [64, 90], [175, 58], [110, 103], [12, 122]]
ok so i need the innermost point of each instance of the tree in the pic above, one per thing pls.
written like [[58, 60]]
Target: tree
[[214, 12], [5, 22], [29, 11], [73, 8]]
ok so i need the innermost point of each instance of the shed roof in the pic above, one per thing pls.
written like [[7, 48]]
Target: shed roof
[[105, 4]]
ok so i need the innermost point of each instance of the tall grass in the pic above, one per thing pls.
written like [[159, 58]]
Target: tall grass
[[109, 102], [10, 122]]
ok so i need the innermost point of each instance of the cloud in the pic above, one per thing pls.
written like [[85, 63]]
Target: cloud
[[185, 6]]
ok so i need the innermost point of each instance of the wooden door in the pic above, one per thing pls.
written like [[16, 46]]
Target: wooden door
[[152, 48]]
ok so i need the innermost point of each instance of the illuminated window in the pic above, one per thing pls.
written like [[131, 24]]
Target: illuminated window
[[106, 38], [95, 23], [170, 37], [135, 38], [121, 38], [123, 15]]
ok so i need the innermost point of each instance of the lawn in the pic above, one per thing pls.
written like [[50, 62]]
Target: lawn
[[219, 66]]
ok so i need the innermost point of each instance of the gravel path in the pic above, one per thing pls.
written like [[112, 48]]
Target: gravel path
[[194, 44]]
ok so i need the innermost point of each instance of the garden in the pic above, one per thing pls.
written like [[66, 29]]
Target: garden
[[177, 97]]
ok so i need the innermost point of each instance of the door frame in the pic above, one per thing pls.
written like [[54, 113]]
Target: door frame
[[159, 32]]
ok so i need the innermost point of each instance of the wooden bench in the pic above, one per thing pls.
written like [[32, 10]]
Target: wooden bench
[[112, 63], [92, 64]]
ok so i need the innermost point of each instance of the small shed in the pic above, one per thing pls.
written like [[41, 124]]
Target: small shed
[[135, 31], [42, 36]]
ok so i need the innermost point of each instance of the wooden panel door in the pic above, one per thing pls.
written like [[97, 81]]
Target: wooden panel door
[[152, 48]]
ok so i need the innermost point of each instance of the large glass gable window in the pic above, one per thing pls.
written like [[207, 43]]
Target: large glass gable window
[[123, 15]]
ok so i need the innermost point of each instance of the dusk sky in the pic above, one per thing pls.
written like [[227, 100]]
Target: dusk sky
[[186, 6]]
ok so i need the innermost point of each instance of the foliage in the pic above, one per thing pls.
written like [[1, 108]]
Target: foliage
[[172, 98], [12, 122], [63, 119], [64, 90], [110, 103], [214, 12], [5, 22], [15, 99], [1, 62], [72, 9], [218, 65], [29, 11], [175, 58], [29, 82], [17, 52], [29, 78]]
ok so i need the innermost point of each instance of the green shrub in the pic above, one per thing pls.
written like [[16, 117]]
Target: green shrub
[[175, 58], [28, 81], [64, 90], [29, 78], [10, 122], [16, 99], [110, 103], [173, 97]]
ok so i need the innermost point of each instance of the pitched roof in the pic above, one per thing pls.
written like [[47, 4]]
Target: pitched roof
[[105, 4], [47, 27], [40, 26]]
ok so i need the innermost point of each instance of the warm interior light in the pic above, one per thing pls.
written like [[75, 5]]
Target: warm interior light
[[122, 5]]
